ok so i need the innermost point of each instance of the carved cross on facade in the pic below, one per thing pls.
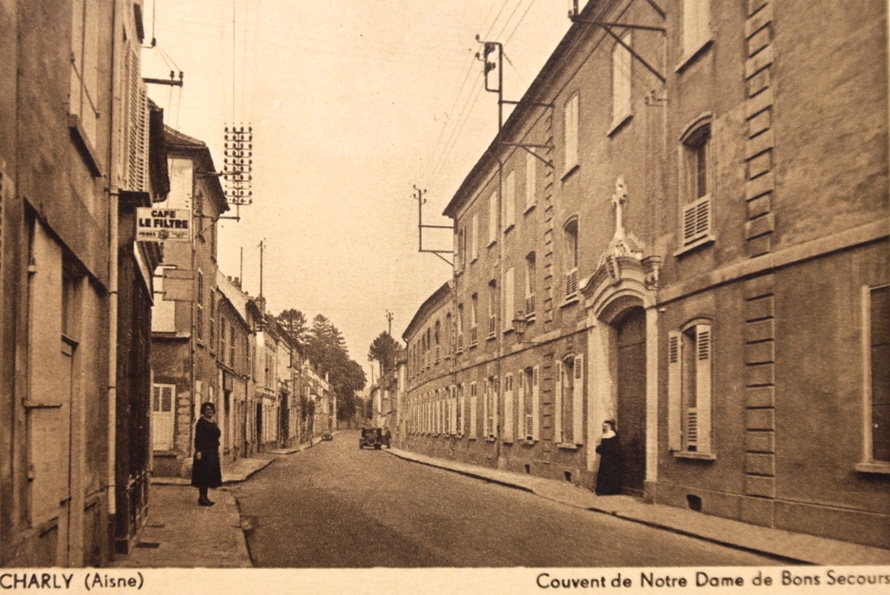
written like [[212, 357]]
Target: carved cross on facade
[[618, 200]]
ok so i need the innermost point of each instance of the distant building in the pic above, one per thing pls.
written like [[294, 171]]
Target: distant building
[[184, 325], [671, 231], [236, 316]]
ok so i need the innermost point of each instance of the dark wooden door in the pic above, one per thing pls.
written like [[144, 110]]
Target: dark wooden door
[[632, 397]]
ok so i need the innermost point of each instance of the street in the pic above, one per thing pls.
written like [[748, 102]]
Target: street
[[335, 506]]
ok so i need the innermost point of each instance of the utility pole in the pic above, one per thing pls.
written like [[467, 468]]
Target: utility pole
[[389, 316]]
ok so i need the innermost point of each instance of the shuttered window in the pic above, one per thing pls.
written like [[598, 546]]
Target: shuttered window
[[508, 408], [474, 407], [689, 389], [570, 133], [536, 403], [578, 400]]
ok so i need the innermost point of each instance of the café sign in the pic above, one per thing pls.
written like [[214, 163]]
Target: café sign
[[163, 225]]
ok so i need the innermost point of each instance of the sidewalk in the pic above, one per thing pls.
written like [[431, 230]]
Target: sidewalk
[[785, 545], [181, 534]]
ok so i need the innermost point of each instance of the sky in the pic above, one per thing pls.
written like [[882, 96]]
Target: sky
[[353, 104]]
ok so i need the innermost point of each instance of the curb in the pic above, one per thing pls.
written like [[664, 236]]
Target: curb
[[776, 553]]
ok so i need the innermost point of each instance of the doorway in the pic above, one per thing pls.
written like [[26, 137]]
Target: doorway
[[631, 343]]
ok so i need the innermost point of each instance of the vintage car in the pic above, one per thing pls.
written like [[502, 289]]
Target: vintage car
[[327, 436], [371, 438]]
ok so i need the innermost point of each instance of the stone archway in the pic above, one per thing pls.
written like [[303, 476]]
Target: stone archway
[[623, 372]]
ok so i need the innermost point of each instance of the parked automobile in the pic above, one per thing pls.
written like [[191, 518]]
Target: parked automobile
[[371, 438], [327, 437]]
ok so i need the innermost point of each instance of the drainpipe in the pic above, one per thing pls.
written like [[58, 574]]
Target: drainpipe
[[113, 207], [112, 350]]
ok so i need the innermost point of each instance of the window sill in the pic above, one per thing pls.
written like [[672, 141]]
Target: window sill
[[568, 173], [699, 456], [619, 122], [878, 467], [529, 208], [491, 439], [569, 301], [690, 56], [699, 243], [567, 446], [527, 442], [509, 227], [491, 337], [474, 259], [491, 244]]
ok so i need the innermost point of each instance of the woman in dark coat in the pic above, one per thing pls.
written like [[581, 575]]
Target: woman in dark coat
[[205, 469], [608, 479]]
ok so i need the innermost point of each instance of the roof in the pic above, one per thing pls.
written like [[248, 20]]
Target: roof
[[536, 93], [427, 308]]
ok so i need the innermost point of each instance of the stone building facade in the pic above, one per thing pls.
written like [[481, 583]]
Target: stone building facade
[[669, 232]]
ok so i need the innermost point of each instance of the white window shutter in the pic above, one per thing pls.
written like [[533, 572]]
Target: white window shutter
[[473, 409], [557, 403], [521, 413], [675, 383], [495, 398], [492, 217], [508, 409], [509, 298], [578, 401], [536, 403], [703, 358]]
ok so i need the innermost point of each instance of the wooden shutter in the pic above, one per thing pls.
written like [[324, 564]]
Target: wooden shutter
[[578, 401], [536, 403], [557, 403], [474, 398], [703, 350], [696, 220], [508, 408], [675, 383]]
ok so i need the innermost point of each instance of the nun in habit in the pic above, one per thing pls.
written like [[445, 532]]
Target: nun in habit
[[608, 479]]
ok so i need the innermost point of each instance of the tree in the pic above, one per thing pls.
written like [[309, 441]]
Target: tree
[[384, 350], [295, 324], [326, 349]]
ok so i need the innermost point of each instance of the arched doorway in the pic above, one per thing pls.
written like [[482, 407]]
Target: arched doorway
[[630, 327]]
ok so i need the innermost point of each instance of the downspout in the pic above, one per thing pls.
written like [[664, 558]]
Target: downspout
[[114, 198]]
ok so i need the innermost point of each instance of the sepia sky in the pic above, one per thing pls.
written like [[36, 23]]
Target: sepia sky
[[352, 104]]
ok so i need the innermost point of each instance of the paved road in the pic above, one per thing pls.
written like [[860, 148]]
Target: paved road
[[336, 506]]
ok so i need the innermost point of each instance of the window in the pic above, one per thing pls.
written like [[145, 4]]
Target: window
[[689, 389], [222, 338], [474, 238], [529, 403], [490, 407], [474, 398], [461, 249], [460, 328], [437, 338], [569, 400], [199, 307], [697, 180], [492, 218], [232, 346], [509, 301], [85, 67], [508, 408], [571, 259], [570, 134], [530, 284], [509, 201], [696, 26], [492, 308], [621, 82], [531, 180], [877, 376], [459, 413], [449, 334], [212, 327], [474, 312]]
